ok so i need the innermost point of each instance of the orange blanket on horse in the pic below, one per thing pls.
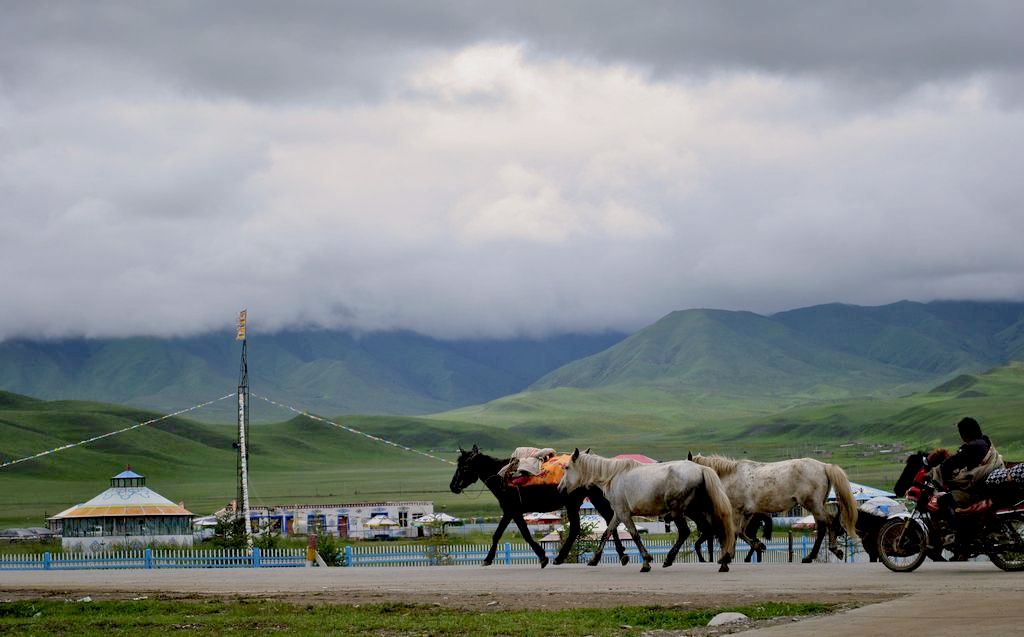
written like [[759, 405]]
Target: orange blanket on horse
[[551, 472]]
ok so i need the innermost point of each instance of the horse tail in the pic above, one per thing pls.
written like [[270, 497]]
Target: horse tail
[[721, 509], [844, 494]]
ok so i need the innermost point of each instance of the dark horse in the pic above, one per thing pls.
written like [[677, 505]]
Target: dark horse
[[474, 465], [758, 521]]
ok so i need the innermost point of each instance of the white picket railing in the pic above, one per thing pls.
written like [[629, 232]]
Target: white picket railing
[[159, 558], [783, 549]]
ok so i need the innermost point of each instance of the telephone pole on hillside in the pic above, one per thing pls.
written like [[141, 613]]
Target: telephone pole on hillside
[[243, 433]]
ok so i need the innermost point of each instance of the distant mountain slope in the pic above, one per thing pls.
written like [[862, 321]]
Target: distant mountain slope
[[326, 371], [934, 338], [296, 460], [823, 351]]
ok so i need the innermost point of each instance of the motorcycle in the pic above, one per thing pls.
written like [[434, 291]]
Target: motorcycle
[[984, 528]]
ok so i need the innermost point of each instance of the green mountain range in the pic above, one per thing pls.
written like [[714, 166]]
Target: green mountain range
[[823, 351], [702, 368], [689, 366], [329, 372]]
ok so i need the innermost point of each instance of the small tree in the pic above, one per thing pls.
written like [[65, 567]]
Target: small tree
[[585, 542], [229, 532], [330, 550]]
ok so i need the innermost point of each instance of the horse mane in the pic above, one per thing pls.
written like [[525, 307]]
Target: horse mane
[[722, 465], [595, 469]]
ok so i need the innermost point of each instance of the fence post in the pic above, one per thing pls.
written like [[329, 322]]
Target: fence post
[[508, 553], [147, 558], [46, 560], [256, 556], [348, 556]]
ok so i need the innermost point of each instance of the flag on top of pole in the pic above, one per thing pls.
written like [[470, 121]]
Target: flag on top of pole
[[240, 334]]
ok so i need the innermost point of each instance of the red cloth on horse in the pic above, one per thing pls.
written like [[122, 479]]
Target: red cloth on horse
[[551, 472]]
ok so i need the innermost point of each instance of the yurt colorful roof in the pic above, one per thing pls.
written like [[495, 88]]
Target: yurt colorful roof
[[124, 501]]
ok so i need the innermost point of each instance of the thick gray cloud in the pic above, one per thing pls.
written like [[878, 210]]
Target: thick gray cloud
[[519, 168]]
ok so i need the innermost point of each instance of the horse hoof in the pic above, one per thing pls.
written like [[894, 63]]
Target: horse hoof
[[593, 562], [807, 560], [746, 559], [646, 568], [666, 564], [724, 568], [624, 560], [558, 561], [544, 562]]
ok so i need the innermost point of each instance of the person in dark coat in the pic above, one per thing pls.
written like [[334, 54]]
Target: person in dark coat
[[970, 465], [962, 472]]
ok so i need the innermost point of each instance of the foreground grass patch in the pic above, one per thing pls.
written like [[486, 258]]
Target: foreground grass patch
[[151, 617]]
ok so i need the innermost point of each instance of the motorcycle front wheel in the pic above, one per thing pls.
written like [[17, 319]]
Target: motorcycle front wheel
[[1012, 560], [902, 545]]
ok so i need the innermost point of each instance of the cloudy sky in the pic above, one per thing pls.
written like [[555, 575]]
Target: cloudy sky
[[497, 169]]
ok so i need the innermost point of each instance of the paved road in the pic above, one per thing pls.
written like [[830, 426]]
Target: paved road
[[974, 599]]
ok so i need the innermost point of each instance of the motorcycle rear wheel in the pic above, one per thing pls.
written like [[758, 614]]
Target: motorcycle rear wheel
[[902, 545], [1011, 560]]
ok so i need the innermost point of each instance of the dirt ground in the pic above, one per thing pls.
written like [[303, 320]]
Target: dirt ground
[[868, 594]]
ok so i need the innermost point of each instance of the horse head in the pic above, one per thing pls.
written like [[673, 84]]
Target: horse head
[[465, 473], [915, 463], [571, 477]]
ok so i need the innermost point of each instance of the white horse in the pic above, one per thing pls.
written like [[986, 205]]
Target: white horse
[[679, 488], [771, 487]]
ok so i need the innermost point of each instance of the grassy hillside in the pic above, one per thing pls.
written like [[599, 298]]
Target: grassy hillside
[[304, 460], [733, 352], [827, 351], [297, 460]]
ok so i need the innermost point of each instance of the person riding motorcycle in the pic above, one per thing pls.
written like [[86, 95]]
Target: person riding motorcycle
[[967, 468]]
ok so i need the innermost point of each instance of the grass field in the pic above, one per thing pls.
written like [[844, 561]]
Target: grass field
[[302, 460], [156, 617]]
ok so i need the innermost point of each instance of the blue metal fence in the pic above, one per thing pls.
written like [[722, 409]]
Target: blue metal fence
[[777, 551], [149, 558]]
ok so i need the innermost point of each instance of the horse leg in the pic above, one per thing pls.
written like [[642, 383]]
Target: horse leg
[[502, 523], [596, 559], [833, 544], [631, 527], [755, 524], [619, 548], [813, 555], [537, 548], [742, 530], [604, 508], [684, 532], [574, 531]]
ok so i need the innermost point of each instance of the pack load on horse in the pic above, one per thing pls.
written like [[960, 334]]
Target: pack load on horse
[[992, 524], [772, 487], [520, 492], [680, 488]]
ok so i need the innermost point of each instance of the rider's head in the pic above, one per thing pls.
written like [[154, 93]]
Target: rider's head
[[969, 429]]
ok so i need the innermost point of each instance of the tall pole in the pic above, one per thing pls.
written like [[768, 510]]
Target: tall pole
[[243, 432]]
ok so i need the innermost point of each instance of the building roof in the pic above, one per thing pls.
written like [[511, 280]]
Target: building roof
[[639, 457], [123, 502]]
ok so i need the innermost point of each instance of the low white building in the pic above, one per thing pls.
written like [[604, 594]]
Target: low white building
[[342, 520], [127, 515]]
